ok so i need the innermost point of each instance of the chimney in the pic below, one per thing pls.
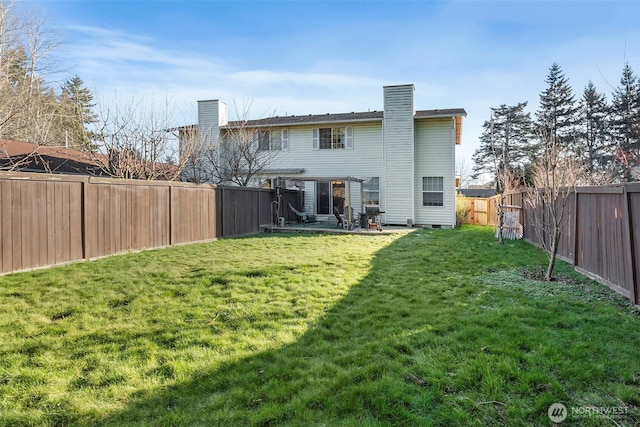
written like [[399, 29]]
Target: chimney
[[212, 115]]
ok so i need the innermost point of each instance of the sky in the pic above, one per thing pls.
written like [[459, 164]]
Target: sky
[[314, 57]]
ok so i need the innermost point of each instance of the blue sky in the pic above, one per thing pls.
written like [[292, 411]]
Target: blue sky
[[303, 57]]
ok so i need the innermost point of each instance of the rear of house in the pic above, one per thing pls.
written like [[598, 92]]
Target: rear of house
[[399, 161]]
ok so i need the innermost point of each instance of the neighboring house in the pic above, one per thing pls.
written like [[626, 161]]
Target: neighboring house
[[476, 193], [27, 157], [400, 160], [22, 156]]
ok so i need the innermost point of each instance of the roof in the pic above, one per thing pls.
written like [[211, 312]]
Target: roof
[[339, 118], [309, 119], [478, 192]]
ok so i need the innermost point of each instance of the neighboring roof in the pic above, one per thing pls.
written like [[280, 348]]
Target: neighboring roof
[[22, 156], [28, 157], [478, 192]]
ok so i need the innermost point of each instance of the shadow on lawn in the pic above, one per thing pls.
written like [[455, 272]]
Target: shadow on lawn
[[345, 367], [355, 366]]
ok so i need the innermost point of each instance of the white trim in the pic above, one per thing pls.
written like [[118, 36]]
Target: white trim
[[348, 137]]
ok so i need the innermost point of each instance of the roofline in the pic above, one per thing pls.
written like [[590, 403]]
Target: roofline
[[316, 119], [331, 118], [439, 116], [249, 125]]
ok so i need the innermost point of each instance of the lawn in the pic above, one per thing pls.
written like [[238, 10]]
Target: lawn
[[431, 328]]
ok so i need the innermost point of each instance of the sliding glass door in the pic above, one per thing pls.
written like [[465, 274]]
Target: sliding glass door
[[330, 195]]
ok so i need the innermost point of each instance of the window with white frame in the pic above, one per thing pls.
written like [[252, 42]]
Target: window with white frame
[[432, 191], [333, 138], [371, 191], [273, 140]]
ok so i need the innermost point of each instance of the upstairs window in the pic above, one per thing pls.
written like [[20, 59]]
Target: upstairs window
[[432, 191], [335, 138], [273, 140]]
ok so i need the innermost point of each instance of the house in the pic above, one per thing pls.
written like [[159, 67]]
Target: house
[[400, 161]]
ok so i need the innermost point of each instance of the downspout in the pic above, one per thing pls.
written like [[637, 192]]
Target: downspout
[[413, 163], [453, 168], [383, 178], [349, 215]]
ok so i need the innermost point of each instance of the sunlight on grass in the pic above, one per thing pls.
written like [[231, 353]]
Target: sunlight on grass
[[433, 328]]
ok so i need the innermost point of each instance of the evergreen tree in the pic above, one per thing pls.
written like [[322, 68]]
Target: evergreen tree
[[77, 114], [505, 144], [593, 148], [625, 127], [556, 115]]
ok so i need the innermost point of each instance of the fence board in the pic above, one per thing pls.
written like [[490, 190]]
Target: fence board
[[53, 219], [600, 234], [6, 224], [634, 224], [16, 226]]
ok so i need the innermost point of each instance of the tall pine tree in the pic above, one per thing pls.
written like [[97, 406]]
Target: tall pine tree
[[625, 127], [76, 103], [556, 115], [593, 148], [504, 144]]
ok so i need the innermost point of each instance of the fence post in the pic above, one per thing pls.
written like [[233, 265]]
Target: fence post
[[83, 217], [171, 216], [629, 255], [575, 227], [259, 205]]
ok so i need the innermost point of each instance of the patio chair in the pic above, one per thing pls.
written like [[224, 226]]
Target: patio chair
[[338, 216], [304, 216]]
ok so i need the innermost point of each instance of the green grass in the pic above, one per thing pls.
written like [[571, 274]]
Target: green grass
[[432, 328]]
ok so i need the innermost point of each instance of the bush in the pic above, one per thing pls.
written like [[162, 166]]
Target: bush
[[463, 206]]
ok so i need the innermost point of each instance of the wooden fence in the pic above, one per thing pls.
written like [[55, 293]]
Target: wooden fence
[[53, 219], [600, 237]]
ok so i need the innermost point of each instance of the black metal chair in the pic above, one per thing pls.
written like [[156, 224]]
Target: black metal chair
[[338, 216]]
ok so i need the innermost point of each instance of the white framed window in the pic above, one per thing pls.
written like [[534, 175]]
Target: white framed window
[[334, 138], [273, 140], [371, 191], [432, 191]]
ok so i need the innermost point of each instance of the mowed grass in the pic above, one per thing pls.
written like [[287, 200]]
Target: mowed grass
[[432, 328]]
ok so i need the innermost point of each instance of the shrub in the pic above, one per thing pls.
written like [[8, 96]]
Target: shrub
[[463, 206]]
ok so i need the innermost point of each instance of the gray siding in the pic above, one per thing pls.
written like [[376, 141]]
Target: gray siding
[[363, 161], [434, 154]]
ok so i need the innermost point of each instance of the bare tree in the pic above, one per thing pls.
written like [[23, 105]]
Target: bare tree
[[133, 142], [556, 174], [27, 105], [464, 171], [244, 150]]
